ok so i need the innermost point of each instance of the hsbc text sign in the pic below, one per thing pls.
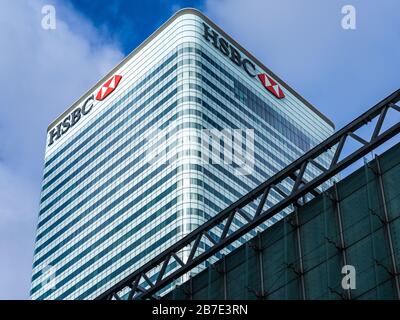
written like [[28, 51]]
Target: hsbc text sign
[[249, 67], [72, 119]]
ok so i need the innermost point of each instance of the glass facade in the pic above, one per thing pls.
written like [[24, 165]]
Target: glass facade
[[141, 171]]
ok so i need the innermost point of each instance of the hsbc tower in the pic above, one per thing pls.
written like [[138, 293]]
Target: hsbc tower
[[185, 125]]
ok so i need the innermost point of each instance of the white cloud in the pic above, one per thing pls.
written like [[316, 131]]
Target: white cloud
[[42, 73]]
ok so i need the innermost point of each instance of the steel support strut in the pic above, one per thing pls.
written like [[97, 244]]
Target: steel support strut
[[142, 286]]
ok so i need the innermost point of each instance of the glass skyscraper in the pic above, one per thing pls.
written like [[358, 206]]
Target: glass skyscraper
[[181, 128]]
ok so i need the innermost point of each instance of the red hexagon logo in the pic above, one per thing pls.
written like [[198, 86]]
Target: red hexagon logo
[[108, 87], [271, 85]]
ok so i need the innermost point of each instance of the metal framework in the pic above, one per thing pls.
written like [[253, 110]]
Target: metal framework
[[148, 280]]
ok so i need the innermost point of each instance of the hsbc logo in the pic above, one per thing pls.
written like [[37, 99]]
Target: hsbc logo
[[271, 85], [73, 118], [231, 52], [108, 87]]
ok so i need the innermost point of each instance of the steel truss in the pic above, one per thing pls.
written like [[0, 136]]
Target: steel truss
[[139, 284]]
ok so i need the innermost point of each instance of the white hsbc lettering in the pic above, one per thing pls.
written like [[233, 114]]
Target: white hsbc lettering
[[70, 120]]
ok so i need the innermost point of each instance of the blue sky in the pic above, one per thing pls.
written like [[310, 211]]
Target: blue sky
[[342, 72]]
